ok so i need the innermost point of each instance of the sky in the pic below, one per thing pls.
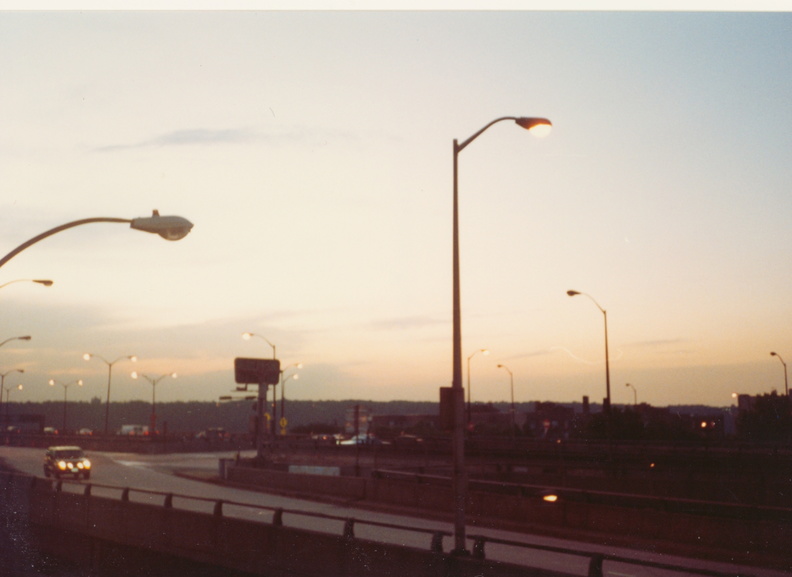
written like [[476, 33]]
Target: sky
[[313, 152]]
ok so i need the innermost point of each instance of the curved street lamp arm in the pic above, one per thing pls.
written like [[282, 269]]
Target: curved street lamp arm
[[55, 230], [529, 123], [460, 147]]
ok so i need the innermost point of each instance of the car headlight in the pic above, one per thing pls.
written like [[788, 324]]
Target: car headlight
[[62, 465], [80, 465], [87, 464]]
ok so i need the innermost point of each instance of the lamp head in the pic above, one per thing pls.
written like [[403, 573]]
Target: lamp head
[[168, 227], [25, 338], [44, 282], [773, 354], [539, 127], [247, 336], [572, 293]]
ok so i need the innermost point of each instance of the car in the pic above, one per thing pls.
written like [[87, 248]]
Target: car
[[405, 440], [213, 434], [66, 460], [361, 439]]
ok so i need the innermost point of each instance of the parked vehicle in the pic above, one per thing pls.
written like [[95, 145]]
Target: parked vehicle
[[66, 460], [134, 430], [362, 439]]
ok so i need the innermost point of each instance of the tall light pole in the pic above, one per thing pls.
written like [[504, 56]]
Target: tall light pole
[[273, 423], [2, 383], [7, 393], [786, 382], [511, 379], [283, 380], [540, 127], [469, 390], [607, 359], [52, 383], [153, 381], [635, 393], [88, 357]]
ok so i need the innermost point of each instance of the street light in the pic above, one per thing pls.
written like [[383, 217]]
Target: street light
[[607, 360], [786, 382], [88, 357], [153, 381], [247, 337], [540, 127], [25, 338], [168, 227], [511, 378], [8, 392], [635, 393], [294, 376], [37, 281], [2, 382], [52, 383], [469, 410]]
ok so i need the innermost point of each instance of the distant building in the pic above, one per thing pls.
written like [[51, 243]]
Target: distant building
[[549, 421]]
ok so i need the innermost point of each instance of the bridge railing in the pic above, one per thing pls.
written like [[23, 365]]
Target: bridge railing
[[220, 507]]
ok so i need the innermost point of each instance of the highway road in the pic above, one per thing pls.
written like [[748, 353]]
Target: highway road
[[160, 473]]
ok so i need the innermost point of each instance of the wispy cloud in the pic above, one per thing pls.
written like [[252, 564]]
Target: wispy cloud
[[658, 343], [196, 136], [404, 323], [230, 136]]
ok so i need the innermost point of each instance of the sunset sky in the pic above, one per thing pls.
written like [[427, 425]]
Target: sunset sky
[[312, 150]]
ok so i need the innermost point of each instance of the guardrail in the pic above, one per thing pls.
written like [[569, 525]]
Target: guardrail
[[218, 507], [668, 504]]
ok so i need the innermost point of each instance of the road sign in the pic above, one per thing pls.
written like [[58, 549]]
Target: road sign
[[257, 371], [283, 422]]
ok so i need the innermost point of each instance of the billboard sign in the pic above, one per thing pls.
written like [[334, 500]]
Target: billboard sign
[[257, 371]]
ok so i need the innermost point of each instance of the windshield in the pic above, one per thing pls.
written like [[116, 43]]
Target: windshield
[[69, 454]]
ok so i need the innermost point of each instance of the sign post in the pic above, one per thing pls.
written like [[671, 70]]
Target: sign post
[[261, 372]]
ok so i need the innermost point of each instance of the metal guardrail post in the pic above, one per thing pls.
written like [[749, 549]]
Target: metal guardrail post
[[87, 491], [218, 509], [168, 504], [277, 518], [125, 495], [437, 543], [478, 548], [595, 566], [349, 529]]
